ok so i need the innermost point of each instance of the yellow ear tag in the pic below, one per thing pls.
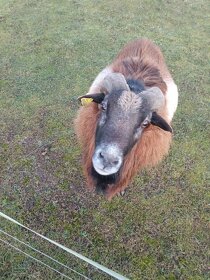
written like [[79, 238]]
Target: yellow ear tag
[[86, 100]]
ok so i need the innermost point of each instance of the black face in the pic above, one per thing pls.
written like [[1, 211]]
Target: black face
[[121, 120], [124, 115], [119, 127]]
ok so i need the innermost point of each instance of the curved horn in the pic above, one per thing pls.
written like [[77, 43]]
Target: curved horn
[[154, 97], [114, 81]]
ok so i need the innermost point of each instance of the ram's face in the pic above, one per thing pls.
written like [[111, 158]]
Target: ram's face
[[124, 114], [120, 125]]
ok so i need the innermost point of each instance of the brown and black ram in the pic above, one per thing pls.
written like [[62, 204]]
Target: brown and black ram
[[127, 125]]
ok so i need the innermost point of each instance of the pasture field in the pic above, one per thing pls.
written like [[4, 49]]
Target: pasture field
[[50, 53]]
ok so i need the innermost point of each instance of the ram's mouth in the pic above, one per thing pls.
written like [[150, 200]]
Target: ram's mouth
[[105, 171], [104, 180]]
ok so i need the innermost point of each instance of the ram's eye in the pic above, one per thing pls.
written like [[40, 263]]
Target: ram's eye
[[145, 123], [103, 106]]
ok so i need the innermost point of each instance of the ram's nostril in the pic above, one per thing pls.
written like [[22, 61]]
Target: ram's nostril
[[101, 155], [115, 162]]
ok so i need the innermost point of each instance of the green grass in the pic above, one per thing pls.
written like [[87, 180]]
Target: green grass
[[50, 53]]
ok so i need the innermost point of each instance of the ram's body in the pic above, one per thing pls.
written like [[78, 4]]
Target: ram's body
[[143, 61]]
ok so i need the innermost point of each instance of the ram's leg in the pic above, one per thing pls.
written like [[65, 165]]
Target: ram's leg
[[121, 193], [112, 191]]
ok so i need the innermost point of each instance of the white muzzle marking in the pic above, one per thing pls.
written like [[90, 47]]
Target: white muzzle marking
[[107, 159]]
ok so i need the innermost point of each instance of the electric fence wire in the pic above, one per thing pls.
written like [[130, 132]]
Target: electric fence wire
[[36, 250], [35, 259], [81, 257]]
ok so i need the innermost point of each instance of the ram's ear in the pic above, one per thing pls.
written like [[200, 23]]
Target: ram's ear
[[96, 97], [160, 122]]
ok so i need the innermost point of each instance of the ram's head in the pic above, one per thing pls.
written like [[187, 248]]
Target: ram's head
[[126, 109]]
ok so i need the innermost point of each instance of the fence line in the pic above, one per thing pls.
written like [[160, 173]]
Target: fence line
[[91, 262], [35, 259], [29, 246]]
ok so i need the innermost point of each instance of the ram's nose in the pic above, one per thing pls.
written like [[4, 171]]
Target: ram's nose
[[107, 160]]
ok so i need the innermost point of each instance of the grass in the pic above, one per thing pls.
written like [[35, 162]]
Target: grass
[[50, 53]]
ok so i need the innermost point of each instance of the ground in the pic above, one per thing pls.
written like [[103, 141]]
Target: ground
[[50, 53]]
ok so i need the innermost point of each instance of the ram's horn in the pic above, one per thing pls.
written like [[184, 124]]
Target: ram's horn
[[154, 97], [114, 82]]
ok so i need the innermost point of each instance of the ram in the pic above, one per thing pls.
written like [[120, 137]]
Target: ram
[[125, 125]]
